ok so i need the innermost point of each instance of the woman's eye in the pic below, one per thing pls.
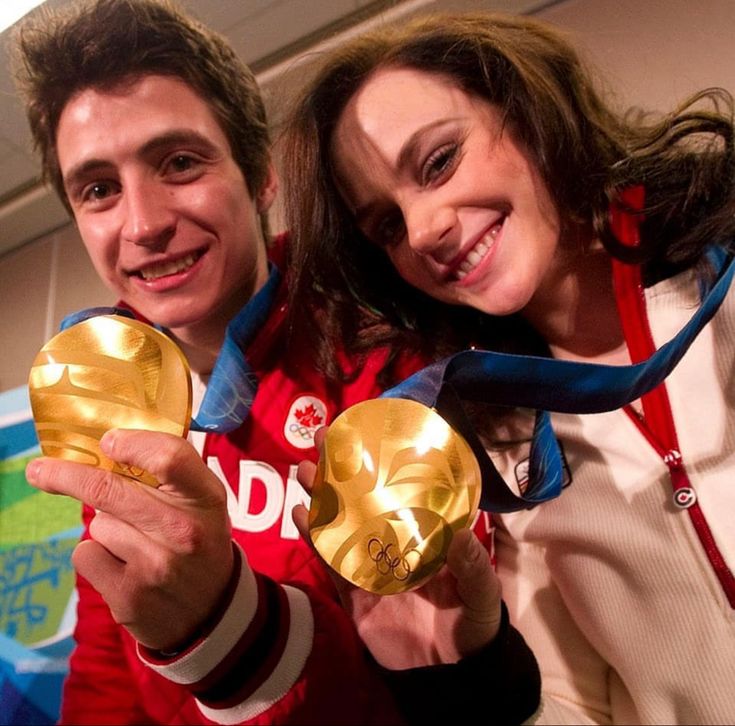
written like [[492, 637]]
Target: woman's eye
[[439, 162], [389, 230]]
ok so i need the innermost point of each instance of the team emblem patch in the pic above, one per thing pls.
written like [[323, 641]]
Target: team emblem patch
[[521, 472], [306, 415]]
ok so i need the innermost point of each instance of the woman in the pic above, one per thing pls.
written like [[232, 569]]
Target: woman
[[460, 183]]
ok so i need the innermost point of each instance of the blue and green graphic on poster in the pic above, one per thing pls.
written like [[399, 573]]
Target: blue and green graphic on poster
[[37, 598]]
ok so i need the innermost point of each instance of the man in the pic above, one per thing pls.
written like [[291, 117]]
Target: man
[[154, 135], [198, 602]]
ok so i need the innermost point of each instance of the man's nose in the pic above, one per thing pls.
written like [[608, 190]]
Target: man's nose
[[150, 220]]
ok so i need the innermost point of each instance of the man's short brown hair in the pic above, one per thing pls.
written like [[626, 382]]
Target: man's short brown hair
[[101, 43]]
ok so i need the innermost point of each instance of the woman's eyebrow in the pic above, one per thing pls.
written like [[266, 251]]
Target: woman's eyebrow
[[406, 158], [410, 148]]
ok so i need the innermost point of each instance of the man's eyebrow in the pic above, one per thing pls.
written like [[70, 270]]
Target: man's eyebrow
[[175, 137], [79, 172], [172, 138]]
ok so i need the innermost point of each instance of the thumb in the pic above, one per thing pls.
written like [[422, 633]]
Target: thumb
[[478, 587]]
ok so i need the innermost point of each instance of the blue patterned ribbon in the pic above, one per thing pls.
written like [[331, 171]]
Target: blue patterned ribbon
[[233, 384], [546, 384], [541, 384]]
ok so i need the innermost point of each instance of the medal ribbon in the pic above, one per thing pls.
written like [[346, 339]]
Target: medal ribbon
[[545, 384], [233, 384], [541, 384]]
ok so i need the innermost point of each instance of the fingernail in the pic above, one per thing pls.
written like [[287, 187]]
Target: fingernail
[[107, 442], [32, 469], [474, 549]]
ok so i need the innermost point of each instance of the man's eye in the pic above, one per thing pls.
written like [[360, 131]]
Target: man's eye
[[180, 164], [98, 191]]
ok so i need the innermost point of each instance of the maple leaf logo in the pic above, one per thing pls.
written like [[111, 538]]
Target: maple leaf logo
[[308, 416]]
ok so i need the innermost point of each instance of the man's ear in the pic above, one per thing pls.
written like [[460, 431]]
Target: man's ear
[[267, 194]]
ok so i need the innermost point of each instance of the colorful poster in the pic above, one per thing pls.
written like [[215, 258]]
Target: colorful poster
[[37, 598]]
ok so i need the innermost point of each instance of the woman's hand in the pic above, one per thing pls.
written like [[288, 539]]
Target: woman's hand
[[454, 614]]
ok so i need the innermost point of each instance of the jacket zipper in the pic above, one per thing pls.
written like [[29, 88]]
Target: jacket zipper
[[657, 424]]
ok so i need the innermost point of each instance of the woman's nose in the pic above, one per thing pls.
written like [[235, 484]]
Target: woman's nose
[[428, 227]]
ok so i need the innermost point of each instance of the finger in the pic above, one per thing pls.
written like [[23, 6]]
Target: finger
[[478, 585], [148, 510], [121, 539], [305, 474], [172, 460], [99, 489], [300, 515], [98, 566], [107, 575], [319, 437]]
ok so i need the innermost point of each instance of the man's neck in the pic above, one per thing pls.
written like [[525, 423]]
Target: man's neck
[[201, 345]]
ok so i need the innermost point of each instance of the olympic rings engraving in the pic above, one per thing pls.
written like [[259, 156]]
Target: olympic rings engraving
[[303, 431], [134, 471], [397, 566]]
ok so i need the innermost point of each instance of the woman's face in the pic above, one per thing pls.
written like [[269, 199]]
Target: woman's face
[[432, 176]]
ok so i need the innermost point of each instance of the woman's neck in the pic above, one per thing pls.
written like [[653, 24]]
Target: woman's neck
[[575, 310]]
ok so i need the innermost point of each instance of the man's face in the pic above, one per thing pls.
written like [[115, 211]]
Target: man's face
[[161, 205]]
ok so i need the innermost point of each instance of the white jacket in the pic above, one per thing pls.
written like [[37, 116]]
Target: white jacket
[[614, 587]]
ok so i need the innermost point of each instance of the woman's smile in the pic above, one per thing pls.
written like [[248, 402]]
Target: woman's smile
[[456, 202]]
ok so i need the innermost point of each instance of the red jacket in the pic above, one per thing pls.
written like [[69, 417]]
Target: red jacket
[[282, 650], [311, 666]]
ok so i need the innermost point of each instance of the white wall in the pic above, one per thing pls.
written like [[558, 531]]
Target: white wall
[[654, 52]]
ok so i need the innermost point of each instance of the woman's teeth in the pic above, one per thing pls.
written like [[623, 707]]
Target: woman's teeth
[[478, 252], [168, 268]]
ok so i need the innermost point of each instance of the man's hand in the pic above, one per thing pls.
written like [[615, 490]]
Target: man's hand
[[455, 613], [160, 558]]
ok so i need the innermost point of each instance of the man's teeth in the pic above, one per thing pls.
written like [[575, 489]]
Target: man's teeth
[[168, 268], [478, 252]]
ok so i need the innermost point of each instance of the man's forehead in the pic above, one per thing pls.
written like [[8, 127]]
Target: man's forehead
[[135, 117]]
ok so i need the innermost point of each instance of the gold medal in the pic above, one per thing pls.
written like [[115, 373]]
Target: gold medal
[[393, 485], [107, 372]]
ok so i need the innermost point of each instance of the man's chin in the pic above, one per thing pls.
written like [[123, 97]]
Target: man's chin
[[171, 317]]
